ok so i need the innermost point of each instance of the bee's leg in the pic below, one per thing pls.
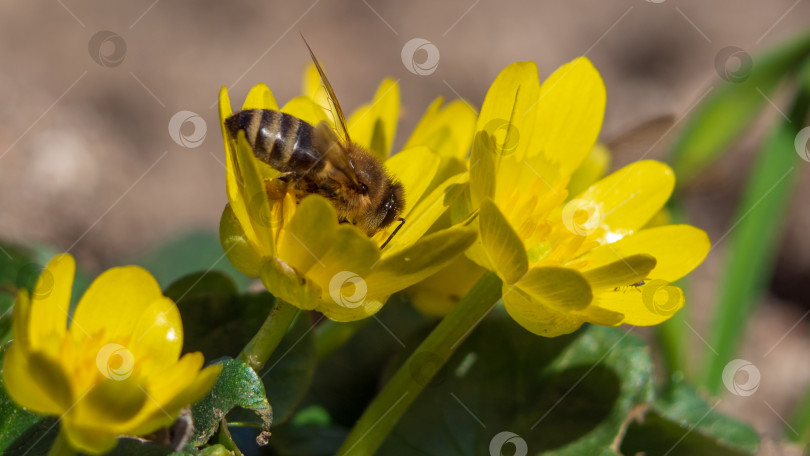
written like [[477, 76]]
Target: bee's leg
[[402, 222]]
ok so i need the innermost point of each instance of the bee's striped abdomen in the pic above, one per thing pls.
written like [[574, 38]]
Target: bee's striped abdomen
[[278, 139]]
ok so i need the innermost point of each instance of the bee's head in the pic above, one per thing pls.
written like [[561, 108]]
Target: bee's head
[[387, 210]]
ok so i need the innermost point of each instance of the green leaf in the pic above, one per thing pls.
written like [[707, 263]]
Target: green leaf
[[753, 238], [288, 373], [237, 386], [186, 254], [216, 320], [22, 432], [568, 395], [680, 422], [728, 110]]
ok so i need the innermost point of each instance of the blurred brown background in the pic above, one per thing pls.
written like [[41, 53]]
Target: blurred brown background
[[87, 162]]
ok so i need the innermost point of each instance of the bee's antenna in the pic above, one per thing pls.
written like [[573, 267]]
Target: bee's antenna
[[402, 222]]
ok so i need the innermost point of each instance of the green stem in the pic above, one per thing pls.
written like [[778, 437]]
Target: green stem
[[264, 343], [331, 335], [61, 446], [388, 407]]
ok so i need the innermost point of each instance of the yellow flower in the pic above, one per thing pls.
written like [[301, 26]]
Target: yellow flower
[[115, 369], [570, 259], [300, 251]]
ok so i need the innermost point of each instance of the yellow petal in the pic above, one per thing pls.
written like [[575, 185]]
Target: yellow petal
[[677, 250], [419, 261], [437, 295], [425, 213], [288, 284], [510, 109], [260, 97], [111, 403], [447, 131], [241, 251], [414, 169], [570, 109], [590, 171], [630, 197], [181, 384], [50, 303], [24, 386], [114, 302], [90, 440], [482, 169], [563, 289], [626, 271], [351, 251], [306, 109], [255, 194], [309, 235], [647, 305], [374, 125], [158, 337], [503, 246], [234, 182], [536, 317]]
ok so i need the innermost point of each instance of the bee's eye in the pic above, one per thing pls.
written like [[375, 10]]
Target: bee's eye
[[363, 189]]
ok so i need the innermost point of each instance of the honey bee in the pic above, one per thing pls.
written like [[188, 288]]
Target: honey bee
[[314, 160]]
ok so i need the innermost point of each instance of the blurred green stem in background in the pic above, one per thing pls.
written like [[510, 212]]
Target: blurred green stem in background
[[672, 334], [267, 338], [753, 238], [402, 389]]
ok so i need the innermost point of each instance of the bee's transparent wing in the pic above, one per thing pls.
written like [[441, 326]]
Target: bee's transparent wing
[[334, 152], [334, 105]]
